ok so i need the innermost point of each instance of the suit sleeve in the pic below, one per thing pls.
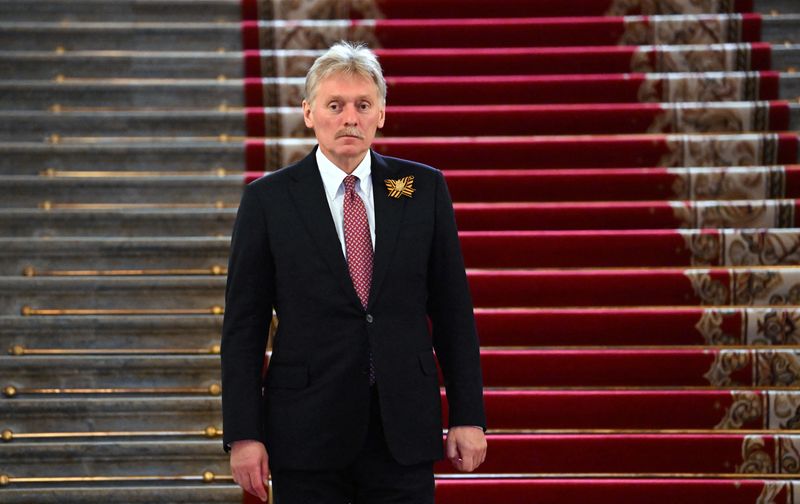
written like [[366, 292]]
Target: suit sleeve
[[249, 296], [455, 337]]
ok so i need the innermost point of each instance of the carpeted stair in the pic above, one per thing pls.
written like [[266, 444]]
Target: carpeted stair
[[626, 182]]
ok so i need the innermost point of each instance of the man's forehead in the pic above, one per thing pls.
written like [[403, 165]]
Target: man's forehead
[[335, 83]]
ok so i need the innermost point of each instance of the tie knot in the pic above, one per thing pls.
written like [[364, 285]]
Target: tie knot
[[350, 183]]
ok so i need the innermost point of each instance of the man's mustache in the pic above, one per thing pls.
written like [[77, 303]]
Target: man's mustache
[[349, 132]]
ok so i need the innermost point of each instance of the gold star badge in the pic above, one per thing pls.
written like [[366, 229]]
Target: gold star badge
[[400, 187]]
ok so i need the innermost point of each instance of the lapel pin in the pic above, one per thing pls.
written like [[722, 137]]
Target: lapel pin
[[400, 187]]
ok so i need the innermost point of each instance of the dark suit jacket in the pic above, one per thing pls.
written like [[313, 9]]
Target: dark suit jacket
[[285, 253]]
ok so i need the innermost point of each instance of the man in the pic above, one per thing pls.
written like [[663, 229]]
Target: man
[[355, 251]]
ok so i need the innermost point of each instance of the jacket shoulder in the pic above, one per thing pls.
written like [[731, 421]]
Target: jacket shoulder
[[420, 171], [276, 180]]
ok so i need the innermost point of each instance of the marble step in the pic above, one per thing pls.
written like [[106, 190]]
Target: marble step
[[32, 191], [117, 223], [118, 332], [121, 64], [199, 94], [109, 371], [124, 10], [39, 126], [33, 158], [109, 36], [113, 458], [178, 493], [26, 65], [31, 126], [200, 294], [192, 255], [141, 94], [227, 37], [120, 413], [230, 10]]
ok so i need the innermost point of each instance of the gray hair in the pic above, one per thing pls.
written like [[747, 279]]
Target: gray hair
[[348, 58]]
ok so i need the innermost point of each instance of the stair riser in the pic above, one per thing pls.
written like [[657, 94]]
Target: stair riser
[[32, 193], [115, 460], [556, 454], [210, 37], [31, 160], [176, 38], [130, 10], [103, 258], [82, 295], [40, 129], [211, 223], [125, 414], [41, 95], [153, 66], [110, 372], [211, 65], [48, 494], [123, 11], [500, 369], [289, 123], [38, 95], [118, 332]]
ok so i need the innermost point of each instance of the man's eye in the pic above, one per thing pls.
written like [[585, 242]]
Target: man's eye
[[363, 106], [333, 106]]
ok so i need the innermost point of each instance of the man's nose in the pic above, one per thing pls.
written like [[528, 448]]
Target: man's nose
[[350, 115]]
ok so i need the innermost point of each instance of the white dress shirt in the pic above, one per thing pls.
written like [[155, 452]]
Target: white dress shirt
[[333, 180]]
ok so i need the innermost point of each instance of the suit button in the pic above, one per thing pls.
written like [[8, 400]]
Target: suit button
[[369, 318]]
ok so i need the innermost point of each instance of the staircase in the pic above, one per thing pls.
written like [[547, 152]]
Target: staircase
[[626, 183]]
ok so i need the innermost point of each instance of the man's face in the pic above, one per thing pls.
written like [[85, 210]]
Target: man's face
[[345, 115]]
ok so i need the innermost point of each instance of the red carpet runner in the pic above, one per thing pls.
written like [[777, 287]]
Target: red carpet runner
[[626, 187]]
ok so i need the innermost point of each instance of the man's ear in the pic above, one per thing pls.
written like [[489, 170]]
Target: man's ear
[[382, 117], [307, 114]]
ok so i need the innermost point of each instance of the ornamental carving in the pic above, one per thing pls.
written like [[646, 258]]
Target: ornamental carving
[[652, 7], [775, 327], [719, 150], [710, 327], [280, 92], [701, 58], [636, 31], [789, 454], [691, 29], [777, 368], [319, 9], [713, 87], [773, 490], [756, 287], [297, 35], [735, 214], [705, 247], [789, 295], [292, 64], [755, 459], [784, 409], [726, 363], [718, 118], [684, 214], [710, 291], [724, 183], [762, 248], [745, 409]]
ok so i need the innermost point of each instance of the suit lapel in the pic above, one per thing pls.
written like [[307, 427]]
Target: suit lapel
[[388, 217], [308, 194], [309, 197]]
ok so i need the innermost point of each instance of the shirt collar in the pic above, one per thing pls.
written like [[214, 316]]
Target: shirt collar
[[333, 176]]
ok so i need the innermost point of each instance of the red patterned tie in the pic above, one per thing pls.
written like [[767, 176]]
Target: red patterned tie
[[357, 240], [358, 244]]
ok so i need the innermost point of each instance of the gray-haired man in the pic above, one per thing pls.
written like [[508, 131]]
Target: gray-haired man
[[356, 252]]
